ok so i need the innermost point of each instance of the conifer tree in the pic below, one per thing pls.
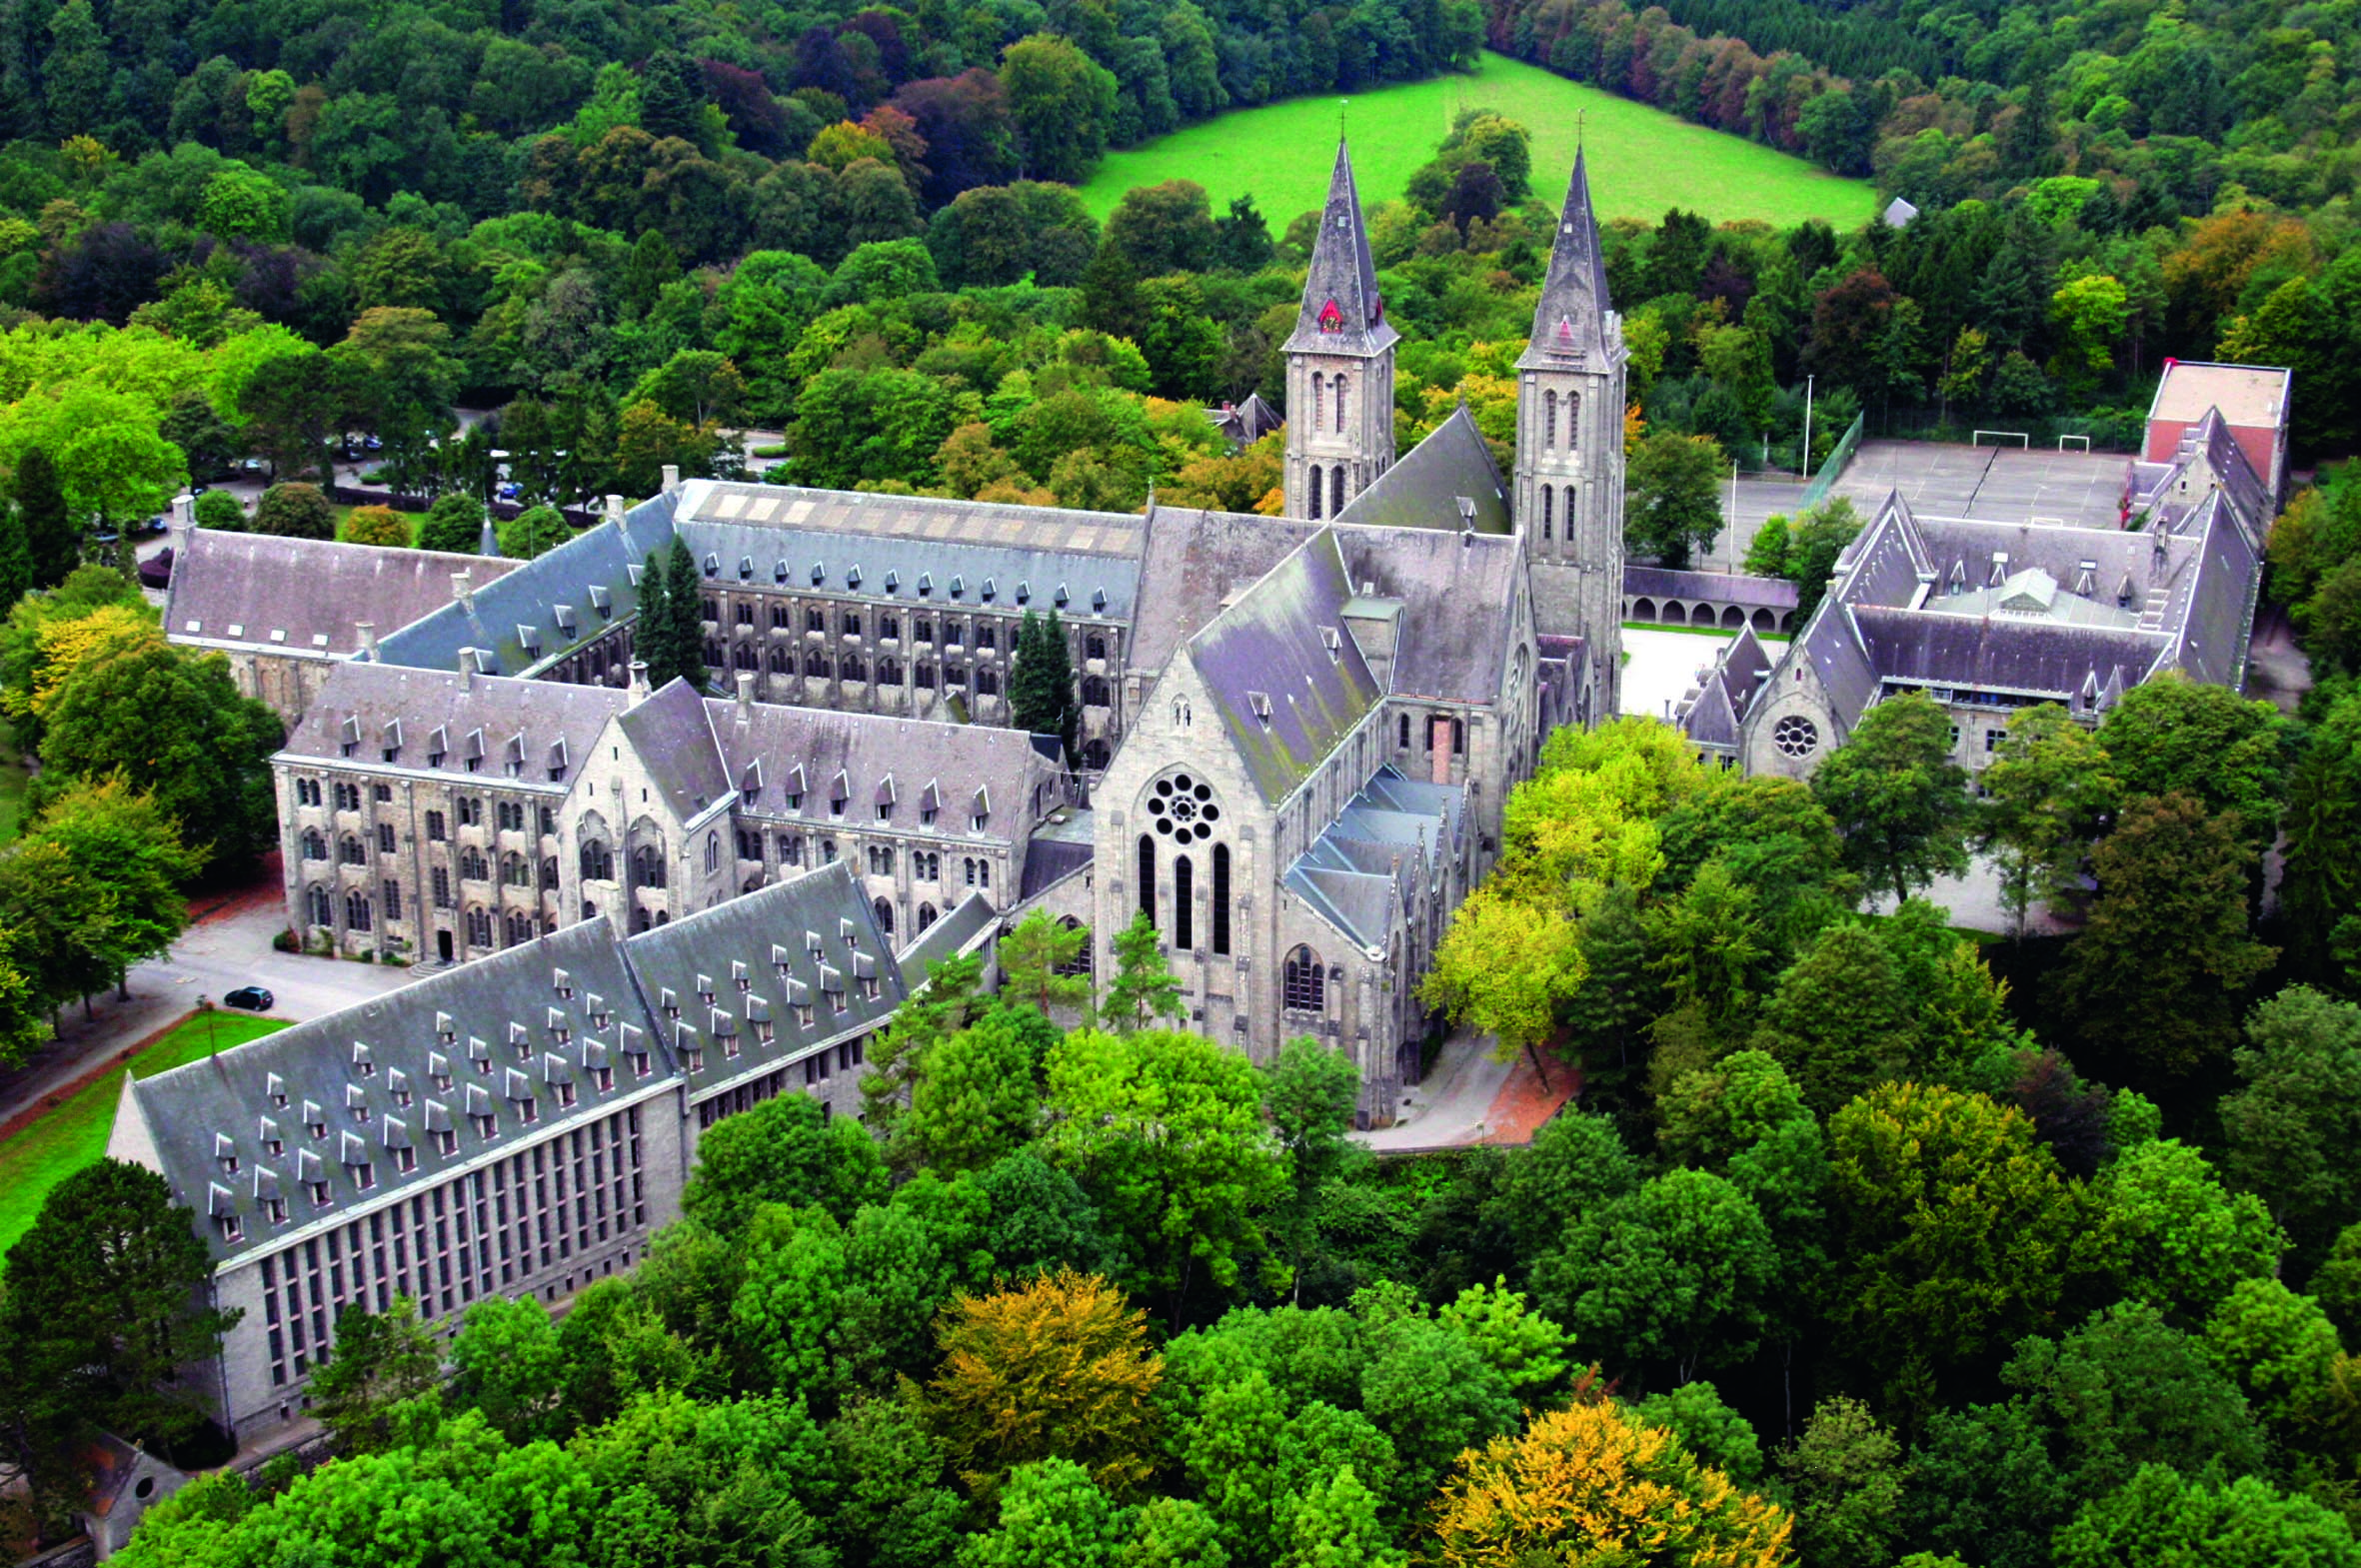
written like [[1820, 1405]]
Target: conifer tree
[[52, 541], [684, 637], [654, 625], [1143, 990], [16, 561], [1040, 688]]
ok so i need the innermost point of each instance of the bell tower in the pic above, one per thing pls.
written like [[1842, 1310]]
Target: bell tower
[[1568, 489], [1339, 365]]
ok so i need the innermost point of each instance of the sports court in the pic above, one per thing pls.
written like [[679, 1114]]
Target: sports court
[[2000, 483]]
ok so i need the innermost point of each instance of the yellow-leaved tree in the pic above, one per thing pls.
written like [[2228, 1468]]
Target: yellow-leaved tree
[[1595, 1484], [1056, 1367]]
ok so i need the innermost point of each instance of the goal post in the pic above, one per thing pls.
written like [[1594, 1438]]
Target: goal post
[[2084, 440], [2017, 436]]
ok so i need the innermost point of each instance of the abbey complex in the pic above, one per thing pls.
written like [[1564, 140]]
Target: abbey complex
[[1298, 737]]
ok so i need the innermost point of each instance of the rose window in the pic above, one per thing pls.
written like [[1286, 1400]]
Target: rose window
[[1182, 809], [1795, 737]]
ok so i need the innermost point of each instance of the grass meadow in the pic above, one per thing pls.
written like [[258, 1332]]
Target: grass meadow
[[1643, 160], [75, 1134]]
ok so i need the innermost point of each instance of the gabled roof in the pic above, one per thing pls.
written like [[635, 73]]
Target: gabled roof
[[980, 549], [764, 508], [1448, 481], [1194, 561], [1364, 867], [306, 596], [1342, 310], [544, 607], [420, 714], [937, 768], [1454, 591], [1570, 318], [755, 955], [675, 741], [1285, 698], [968, 925]]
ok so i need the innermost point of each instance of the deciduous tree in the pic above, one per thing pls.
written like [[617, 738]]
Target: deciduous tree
[[1898, 796]]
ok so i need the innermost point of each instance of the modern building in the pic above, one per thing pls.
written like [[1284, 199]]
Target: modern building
[[518, 1125], [2252, 400]]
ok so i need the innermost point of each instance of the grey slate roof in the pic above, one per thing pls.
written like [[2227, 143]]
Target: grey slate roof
[[1570, 319], [2035, 657], [764, 507], [559, 600], [1365, 866], [676, 741], [305, 596], [1448, 481], [774, 751], [1194, 561], [967, 924], [1774, 593], [1343, 276], [923, 569], [374, 707], [472, 1040], [1452, 586], [1286, 696], [710, 980]]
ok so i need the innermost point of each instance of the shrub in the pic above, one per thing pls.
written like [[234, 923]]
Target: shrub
[[376, 526], [295, 511], [217, 509]]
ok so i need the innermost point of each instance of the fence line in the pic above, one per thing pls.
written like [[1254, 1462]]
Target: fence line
[[1832, 470]]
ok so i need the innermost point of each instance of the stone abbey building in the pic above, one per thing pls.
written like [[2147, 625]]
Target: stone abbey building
[[1297, 733]]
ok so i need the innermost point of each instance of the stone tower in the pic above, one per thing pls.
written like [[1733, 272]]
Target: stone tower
[[1569, 450], [1339, 365]]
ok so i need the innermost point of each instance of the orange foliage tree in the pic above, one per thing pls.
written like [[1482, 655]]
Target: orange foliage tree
[[1057, 1367], [1595, 1484]]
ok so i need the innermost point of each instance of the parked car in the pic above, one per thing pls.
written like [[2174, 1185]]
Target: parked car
[[253, 999]]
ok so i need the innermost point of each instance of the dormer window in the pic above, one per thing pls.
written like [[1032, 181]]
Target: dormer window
[[274, 1088]]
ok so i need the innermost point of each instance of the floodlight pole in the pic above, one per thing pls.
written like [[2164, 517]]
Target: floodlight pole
[[1807, 428]]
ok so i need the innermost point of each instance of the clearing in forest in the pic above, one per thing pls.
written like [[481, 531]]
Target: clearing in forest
[[1643, 160]]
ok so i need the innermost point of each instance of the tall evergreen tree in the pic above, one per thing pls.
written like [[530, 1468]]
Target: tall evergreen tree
[[1041, 689], [655, 623], [16, 562], [684, 637], [52, 541]]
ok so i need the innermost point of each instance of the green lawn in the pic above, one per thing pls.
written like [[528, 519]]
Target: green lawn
[[75, 1134], [1643, 160]]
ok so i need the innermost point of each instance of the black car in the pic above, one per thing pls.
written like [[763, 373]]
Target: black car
[[251, 997]]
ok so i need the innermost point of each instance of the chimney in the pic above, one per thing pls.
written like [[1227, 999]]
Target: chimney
[[463, 588], [672, 479], [184, 514], [639, 686], [615, 512], [368, 631], [746, 697], [467, 669]]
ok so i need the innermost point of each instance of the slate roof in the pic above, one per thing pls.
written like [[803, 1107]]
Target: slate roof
[[2045, 658], [547, 606], [1773, 592], [1285, 695], [2214, 633], [373, 708], [675, 739], [1364, 868], [304, 596], [360, 1084], [1453, 587], [1570, 317], [1195, 560], [1448, 481], [933, 573], [1244, 424], [1342, 275], [766, 506], [709, 981], [967, 924], [878, 760]]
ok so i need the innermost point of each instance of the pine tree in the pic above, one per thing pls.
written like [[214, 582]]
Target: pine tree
[[16, 562], [52, 541], [1041, 689], [1143, 988], [655, 623], [683, 611]]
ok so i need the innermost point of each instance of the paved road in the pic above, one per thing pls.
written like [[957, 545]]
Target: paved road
[[1451, 1105], [226, 951]]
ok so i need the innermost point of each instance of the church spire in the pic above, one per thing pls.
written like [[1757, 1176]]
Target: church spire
[[1570, 319], [1343, 309]]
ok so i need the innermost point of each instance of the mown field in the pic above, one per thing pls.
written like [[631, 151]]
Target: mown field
[[75, 1134], [1643, 160]]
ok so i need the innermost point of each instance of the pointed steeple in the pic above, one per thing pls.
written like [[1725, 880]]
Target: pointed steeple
[[1343, 309], [1570, 319]]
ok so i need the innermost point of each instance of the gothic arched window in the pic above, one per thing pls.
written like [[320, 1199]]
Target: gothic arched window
[[1339, 405], [1337, 489], [1548, 419], [1303, 983], [1148, 878], [320, 911], [1573, 418], [1548, 503], [1315, 491]]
